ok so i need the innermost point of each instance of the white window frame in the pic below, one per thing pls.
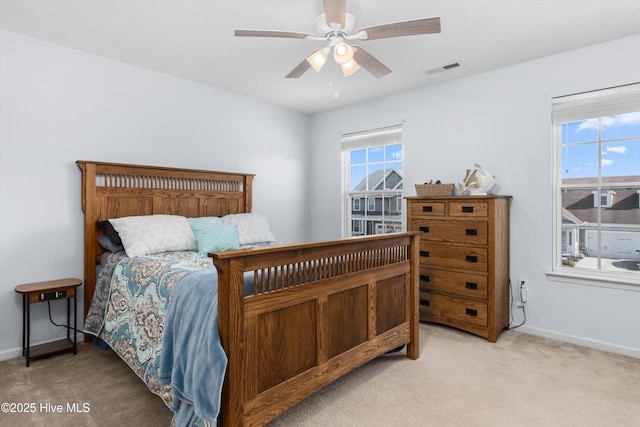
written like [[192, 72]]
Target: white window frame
[[601, 103], [359, 227], [353, 141], [356, 204], [600, 196], [371, 204]]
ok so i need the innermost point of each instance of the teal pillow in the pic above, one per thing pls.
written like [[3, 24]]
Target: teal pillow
[[204, 222], [212, 235]]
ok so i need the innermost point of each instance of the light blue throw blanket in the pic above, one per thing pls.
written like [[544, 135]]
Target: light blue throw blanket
[[193, 361]]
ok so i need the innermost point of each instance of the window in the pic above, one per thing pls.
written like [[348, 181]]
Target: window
[[597, 185], [356, 227], [372, 172], [603, 199], [371, 207]]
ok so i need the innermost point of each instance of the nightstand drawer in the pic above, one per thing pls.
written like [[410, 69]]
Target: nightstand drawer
[[474, 232], [427, 209], [59, 293], [466, 285], [455, 257], [469, 209], [441, 308]]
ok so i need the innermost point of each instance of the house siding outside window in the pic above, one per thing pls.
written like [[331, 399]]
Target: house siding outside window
[[372, 174], [597, 185]]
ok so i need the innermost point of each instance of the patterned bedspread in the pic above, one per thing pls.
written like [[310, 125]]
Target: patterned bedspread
[[132, 322]]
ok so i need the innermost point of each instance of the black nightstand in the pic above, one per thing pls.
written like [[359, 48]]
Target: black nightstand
[[47, 291]]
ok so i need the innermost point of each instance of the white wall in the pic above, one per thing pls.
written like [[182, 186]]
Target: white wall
[[59, 105], [501, 120]]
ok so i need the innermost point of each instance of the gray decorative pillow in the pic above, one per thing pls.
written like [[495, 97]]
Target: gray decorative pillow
[[108, 245], [151, 234], [253, 228]]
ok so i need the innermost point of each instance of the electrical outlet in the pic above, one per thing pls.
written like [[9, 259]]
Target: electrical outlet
[[523, 289]]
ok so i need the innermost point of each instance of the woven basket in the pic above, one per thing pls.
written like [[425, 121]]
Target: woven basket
[[427, 190]]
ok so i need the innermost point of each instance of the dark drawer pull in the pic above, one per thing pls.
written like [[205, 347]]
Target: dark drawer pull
[[425, 229], [471, 285], [425, 277], [471, 258], [467, 209], [471, 232], [427, 209], [424, 253], [471, 312], [424, 302]]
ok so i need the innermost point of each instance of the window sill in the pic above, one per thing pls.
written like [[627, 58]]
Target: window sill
[[629, 282]]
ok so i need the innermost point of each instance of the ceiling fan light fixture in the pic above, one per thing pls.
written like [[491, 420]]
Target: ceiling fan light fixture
[[317, 59], [342, 53], [350, 68], [337, 28]]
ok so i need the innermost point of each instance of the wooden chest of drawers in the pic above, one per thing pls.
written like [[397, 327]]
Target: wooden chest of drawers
[[464, 261]]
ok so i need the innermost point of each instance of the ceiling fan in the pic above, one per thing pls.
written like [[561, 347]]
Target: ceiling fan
[[336, 26]]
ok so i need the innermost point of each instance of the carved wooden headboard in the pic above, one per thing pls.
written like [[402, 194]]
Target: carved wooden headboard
[[113, 190]]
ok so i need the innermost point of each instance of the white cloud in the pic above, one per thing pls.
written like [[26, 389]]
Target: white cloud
[[621, 120], [620, 149], [611, 121], [607, 162], [588, 124]]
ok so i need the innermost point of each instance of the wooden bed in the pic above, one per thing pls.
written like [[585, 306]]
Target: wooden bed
[[319, 310]]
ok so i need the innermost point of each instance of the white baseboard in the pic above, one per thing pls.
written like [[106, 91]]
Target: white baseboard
[[598, 345], [10, 354]]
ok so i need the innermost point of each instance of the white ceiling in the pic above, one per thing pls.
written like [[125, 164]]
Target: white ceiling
[[194, 39]]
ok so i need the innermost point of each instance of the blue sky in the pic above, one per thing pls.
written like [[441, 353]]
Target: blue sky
[[388, 156], [620, 147]]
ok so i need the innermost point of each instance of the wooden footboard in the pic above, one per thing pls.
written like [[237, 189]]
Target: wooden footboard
[[318, 311]]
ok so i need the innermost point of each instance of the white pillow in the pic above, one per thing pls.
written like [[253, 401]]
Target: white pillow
[[252, 228], [150, 234]]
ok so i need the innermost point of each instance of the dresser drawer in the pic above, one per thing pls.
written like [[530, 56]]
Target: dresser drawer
[[428, 209], [455, 257], [470, 209], [474, 232], [466, 285], [439, 308]]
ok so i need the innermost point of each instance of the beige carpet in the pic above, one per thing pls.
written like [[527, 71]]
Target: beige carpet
[[459, 380]]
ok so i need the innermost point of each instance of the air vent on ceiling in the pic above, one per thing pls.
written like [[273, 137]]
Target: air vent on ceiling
[[443, 68]]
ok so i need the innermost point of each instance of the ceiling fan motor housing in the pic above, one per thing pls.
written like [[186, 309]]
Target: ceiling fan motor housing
[[326, 31]]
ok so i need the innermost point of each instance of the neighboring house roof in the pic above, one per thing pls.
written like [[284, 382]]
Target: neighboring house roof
[[570, 217], [625, 209], [377, 179]]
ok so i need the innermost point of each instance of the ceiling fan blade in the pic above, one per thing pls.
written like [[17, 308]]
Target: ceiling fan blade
[[404, 28], [370, 63], [335, 11], [299, 70], [269, 33]]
